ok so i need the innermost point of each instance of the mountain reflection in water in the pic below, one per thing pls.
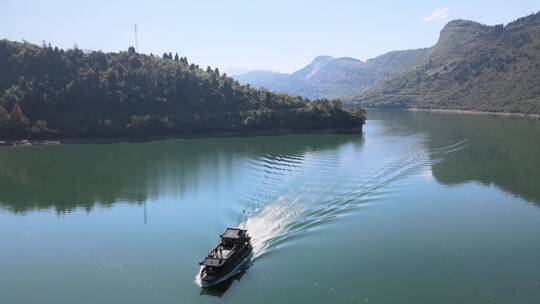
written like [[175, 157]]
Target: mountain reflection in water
[[65, 177], [502, 151]]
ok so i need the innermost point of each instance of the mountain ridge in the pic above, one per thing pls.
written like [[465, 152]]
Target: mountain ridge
[[329, 77], [471, 67]]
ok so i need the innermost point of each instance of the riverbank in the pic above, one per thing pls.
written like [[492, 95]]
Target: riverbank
[[142, 139], [468, 112], [26, 142]]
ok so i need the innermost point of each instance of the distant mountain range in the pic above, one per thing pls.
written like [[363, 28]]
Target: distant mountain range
[[471, 67], [328, 77]]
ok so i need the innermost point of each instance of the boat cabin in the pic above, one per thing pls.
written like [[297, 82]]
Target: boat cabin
[[232, 240], [234, 236]]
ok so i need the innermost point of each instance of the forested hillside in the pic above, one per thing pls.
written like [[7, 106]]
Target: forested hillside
[[472, 67], [48, 92]]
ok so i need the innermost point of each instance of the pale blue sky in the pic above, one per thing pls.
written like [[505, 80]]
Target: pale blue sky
[[275, 34]]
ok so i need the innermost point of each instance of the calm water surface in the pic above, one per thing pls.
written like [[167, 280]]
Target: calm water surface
[[421, 208]]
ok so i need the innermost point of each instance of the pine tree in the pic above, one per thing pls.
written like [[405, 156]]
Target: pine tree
[[176, 57], [40, 130], [227, 88], [18, 124], [4, 118]]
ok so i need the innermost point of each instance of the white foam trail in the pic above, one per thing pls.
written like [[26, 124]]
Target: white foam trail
[[269, 223], [198, 279], [295, 211]]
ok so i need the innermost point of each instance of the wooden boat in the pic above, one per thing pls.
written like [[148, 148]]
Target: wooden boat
[[222, 261]]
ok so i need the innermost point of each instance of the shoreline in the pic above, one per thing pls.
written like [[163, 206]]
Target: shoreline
[[154, 138], [467, 112], [473, 112]]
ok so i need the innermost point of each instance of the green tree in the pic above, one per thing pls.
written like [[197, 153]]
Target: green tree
[[176, 57], [40, 130], [12, 95], [228, 88], [360, 113], [4, 118], [18, 124]]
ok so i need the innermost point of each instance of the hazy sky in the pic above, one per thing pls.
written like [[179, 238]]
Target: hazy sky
[[275, 34]]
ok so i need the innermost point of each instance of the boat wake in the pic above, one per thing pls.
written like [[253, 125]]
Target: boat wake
[[343, 187], [299, 192]]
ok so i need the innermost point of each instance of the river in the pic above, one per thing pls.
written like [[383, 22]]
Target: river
[[420, 208]]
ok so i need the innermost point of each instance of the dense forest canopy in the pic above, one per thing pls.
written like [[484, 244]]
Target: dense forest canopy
[[46, 92]]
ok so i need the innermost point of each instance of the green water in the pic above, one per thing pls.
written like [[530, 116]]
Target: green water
[[421, 208]]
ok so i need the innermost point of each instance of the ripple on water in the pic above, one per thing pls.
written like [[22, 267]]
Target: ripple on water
[[298, 193]]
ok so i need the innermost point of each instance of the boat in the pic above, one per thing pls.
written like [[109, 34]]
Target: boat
[[228, 256]]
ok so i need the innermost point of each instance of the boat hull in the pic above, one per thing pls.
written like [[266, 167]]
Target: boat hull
[[209, 280]]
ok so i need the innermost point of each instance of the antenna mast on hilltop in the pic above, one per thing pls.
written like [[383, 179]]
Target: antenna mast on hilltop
[[136, 42]]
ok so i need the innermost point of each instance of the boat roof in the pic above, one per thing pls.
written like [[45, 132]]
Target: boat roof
[[214, 262], [233, 233]]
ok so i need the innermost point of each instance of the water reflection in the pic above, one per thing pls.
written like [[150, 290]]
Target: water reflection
[[502, 151], [65, 177]]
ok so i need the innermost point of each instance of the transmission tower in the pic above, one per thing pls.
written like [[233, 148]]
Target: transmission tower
[[136, 42]]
